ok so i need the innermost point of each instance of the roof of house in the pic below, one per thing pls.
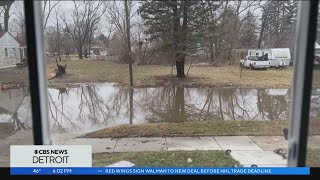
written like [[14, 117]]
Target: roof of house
[[2, 33]]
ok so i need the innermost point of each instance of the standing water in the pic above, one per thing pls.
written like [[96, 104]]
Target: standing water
[[87, 108]]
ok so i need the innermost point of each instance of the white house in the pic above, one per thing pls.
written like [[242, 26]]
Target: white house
[[10, 51]]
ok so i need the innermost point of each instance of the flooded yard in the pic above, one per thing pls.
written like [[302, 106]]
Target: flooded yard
[[91, 107]]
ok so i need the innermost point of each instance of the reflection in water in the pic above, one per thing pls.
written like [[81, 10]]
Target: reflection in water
[[178, 104], [13, 108], [92, 107]]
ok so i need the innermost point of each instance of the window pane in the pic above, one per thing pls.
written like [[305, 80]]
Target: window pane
[[313, 149], [188, 92], [15, 107]]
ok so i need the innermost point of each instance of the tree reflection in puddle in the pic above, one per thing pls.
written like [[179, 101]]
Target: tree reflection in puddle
[[95, 106]]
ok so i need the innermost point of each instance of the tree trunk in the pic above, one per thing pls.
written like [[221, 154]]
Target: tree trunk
[[80, 53], [179, 109], [211, 49], [140, 52], [59, 55], [263, 26], [6, 17], [216, 49], [260, 36], [235, 32], [180, 66], [180, 56], [89, 44], [128, 41], [131, 105], [176, 38], [86, 53], [220, 105]]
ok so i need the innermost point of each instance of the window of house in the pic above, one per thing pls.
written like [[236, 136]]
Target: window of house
[[14, 52], [6, 52]]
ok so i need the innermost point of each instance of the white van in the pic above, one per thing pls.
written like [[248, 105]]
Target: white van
[[255, 62], [278, 57]]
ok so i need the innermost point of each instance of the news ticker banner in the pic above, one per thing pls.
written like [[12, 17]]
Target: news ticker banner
[[77, 160], [160, 171], [50, 156]]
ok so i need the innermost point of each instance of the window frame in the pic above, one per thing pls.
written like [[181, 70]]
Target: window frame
[[299, 119], [302, 82]]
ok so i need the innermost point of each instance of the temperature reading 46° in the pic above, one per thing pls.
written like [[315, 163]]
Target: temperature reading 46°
[[36, 171]]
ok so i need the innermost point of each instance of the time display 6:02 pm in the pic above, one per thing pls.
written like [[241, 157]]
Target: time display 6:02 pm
[[62, 171]]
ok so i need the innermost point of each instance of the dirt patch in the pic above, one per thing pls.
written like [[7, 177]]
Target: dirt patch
[[14, 76]]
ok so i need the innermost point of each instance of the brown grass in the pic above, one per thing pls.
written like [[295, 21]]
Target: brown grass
[[227, 128], [313, 158], [81, 71], [222, 128], [155, 75]]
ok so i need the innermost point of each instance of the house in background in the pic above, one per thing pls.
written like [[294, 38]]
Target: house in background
[[11, 53], [98, 51]]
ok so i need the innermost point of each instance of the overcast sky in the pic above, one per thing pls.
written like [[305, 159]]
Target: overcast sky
[[67, 7]]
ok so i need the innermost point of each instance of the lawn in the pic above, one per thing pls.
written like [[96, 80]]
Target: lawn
[[192, 129], [225, 128], [180, 159], [81, 71], [167, 159], [313, 158], [157, 75]]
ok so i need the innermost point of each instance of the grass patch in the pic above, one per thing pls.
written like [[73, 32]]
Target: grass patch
[[226, 128], [157, 75], [187, 129], [82, 71], [167, 159], [313, 158], [316, 78]]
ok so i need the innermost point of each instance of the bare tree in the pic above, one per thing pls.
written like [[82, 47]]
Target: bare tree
[[48, 6], [117, 16], [240, 8], [54, 37], [104, 39], [265, 21], [85, 17], [120, 16], [139, 40], [58, 36], [128, 37], [17, 25], [277, 23], [6, 5], [67, 45]]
